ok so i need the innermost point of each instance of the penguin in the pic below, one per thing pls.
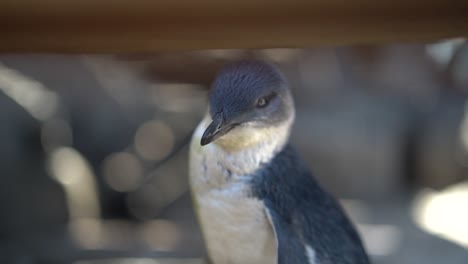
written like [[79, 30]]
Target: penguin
[[255, 199]]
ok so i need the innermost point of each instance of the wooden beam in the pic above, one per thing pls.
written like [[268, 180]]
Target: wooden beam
[[118, 26]]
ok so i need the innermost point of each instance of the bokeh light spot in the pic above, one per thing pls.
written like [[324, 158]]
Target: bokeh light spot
[[123, 171], [160, 235], [87, 233], [154, 140], [444, 213]]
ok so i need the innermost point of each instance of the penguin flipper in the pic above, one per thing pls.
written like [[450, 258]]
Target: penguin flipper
[[307, 220], [290, 248]]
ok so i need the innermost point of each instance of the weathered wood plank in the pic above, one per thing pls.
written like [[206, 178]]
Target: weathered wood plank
[[163, 25]]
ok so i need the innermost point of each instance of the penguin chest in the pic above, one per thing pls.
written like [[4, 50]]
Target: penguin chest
[[235, 227], [234, 224]]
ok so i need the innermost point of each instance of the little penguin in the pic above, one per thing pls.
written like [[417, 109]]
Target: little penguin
[[255, 199]]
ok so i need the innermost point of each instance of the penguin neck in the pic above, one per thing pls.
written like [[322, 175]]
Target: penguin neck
[[246, 148]]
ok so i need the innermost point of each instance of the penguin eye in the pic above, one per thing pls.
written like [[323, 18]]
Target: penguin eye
[[264, 101]]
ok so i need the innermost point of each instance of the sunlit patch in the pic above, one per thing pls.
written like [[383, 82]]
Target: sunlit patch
[[444, 213], [73, 172], [160, 235], [34, 97], [123, 171], [154, 140]]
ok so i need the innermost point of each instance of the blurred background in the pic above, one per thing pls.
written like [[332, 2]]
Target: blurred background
[[93, 149]]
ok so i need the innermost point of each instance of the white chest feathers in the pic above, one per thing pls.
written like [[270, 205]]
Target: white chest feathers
[[234, 224], [235, 228]]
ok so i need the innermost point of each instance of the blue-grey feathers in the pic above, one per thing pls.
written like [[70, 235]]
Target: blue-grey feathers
[[238, 86], [304, 214], [290, 247]]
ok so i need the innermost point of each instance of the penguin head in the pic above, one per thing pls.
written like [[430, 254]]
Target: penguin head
[[249, 101]]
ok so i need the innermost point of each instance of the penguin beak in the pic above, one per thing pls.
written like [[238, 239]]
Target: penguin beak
[[216, 129]]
